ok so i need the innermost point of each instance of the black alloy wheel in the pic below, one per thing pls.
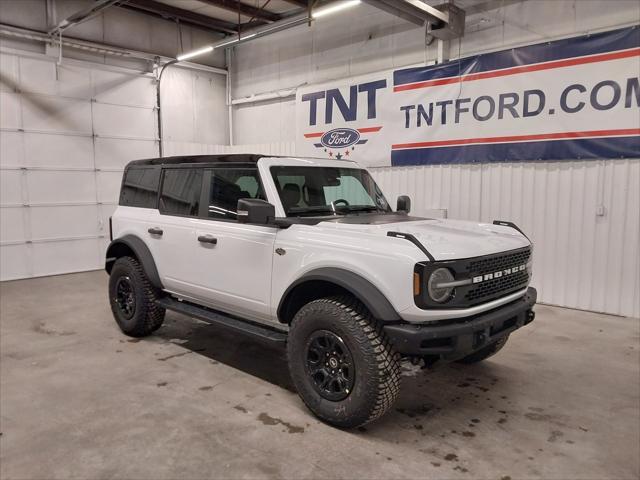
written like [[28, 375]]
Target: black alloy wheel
[[133, 299], [125, 297], [330, 365]]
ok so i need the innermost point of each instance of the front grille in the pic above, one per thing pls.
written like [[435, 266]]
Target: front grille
[[495, 263], [497, 287], [484, 291]]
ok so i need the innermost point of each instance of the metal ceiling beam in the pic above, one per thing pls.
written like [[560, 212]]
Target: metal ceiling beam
[[84, 14], [433, 13], [414, 11], [298, 3], [100, 48], [490, 5], [396, 12], [259, 32], [186, 16], [246, 10]]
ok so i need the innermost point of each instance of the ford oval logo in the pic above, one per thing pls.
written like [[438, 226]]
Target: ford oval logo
[[340, 138]]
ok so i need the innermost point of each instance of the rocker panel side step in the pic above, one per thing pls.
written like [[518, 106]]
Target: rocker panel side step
[[216, 318]]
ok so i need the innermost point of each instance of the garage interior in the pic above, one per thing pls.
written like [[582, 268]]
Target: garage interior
[[87, 86]]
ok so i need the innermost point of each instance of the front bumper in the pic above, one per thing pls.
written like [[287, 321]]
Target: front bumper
[[452, 339]]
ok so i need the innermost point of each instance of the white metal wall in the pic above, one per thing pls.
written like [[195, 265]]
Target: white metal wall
[[188, 148], [66, 132]]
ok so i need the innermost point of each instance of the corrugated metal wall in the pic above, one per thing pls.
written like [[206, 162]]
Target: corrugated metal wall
[[582, 259], [189, 148]]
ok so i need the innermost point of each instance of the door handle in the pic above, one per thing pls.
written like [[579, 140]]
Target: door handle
[[155, 231], [207, 239]]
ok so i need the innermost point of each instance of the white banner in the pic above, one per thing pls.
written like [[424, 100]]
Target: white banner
[[575, 98]]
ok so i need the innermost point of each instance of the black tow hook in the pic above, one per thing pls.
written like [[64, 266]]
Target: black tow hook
[[530, 316]]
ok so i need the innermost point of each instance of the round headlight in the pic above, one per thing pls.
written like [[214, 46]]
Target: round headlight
[[437, 292]]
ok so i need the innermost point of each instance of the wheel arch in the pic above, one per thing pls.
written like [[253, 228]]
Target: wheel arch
[[130, 245], [327, 281]]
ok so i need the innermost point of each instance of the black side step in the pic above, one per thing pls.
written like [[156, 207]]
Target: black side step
[[215, 318]]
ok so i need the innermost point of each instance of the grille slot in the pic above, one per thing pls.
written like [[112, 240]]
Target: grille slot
[[500, 262], [500, 286]]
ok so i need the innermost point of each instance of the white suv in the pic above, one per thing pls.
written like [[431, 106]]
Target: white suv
[[308, 252]]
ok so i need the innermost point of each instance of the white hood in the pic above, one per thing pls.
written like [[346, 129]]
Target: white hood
[[445, 239]]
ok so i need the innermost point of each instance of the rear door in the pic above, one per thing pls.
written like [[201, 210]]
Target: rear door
[[173, 238]]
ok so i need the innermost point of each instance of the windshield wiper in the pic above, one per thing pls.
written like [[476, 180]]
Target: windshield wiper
[[361, 208], [313, 209]]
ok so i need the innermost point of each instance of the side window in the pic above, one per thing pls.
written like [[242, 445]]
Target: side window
[[180, 194], [228, 185], [140, 187]]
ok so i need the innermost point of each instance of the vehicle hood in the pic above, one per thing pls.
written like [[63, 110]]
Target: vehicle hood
[[444, 239]]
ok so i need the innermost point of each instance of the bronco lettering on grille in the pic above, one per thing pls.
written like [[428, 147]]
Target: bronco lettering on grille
[[498, 274]]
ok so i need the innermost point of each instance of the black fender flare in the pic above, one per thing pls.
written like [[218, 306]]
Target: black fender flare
[[359, 287], [130, 242]]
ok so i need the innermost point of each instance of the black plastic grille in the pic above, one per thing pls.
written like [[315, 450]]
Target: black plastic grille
[[498, 262], [492, 288], [469, 295], [500, 286]]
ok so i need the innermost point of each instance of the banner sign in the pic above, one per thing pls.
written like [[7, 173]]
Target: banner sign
[[570, 99]]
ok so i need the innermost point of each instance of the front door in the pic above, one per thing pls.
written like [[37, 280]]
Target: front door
[[229, 262]]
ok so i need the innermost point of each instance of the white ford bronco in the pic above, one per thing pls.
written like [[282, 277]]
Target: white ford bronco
[[309, 253]]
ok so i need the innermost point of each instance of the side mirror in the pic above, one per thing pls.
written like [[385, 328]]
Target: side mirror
[[254, 210], [404, 204]]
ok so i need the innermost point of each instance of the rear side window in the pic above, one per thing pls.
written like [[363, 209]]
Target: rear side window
[[181, 188], [140, 187], [228, 185]]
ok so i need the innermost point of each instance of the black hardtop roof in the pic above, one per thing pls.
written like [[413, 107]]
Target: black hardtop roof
[[190, 159]]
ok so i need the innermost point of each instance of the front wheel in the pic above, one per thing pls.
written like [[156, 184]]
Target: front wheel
[[133, 299], [342, 365]]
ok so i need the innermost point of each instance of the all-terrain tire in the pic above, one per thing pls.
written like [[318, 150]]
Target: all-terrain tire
[[141, 316], [486, 352], [376, 365]]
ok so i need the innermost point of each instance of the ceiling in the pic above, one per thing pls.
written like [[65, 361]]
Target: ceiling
[[222, 16], [230, 16]]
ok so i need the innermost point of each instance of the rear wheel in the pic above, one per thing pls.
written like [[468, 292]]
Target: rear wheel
[[486, 352], [341, 363], [133, 299]]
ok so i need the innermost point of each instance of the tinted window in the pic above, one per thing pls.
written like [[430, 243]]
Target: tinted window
[[181, 189], [140, 187], [230, 185]]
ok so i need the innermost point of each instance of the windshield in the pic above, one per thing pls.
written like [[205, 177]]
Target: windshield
[[307, 191]]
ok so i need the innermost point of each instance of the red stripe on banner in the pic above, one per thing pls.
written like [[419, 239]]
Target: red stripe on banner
[[634, 52], [520, 138], [369, 129], [361, 130]]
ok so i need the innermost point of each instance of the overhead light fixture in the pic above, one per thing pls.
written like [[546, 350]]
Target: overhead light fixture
[[195, 53], [323, 12], [343, 5]]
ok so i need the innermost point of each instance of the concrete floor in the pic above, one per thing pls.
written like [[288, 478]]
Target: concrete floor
[[80, 400]]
